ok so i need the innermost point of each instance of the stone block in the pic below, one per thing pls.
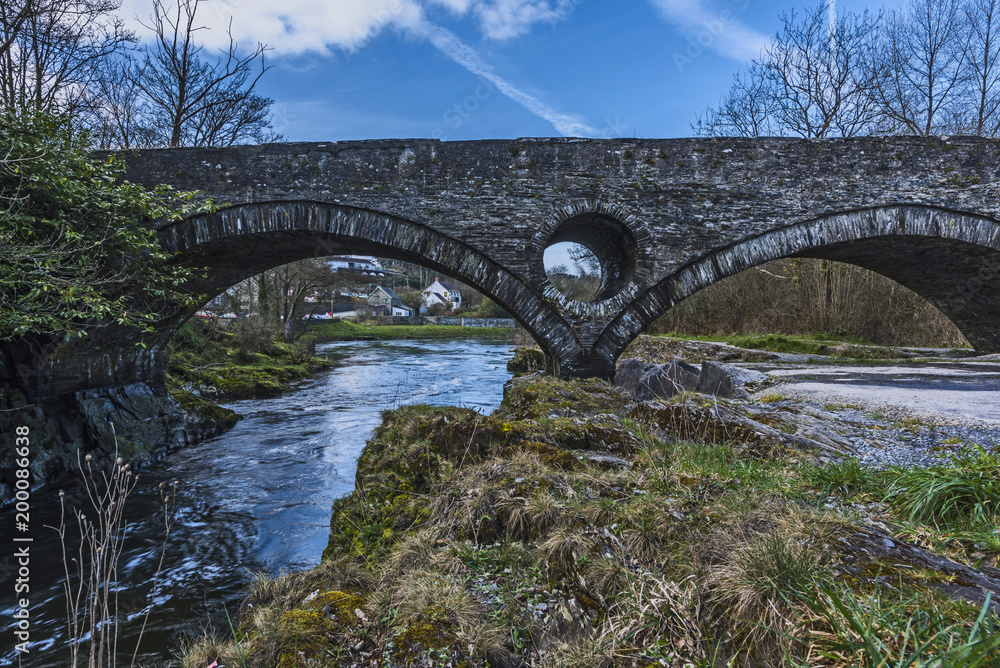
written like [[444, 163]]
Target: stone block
[[726, 380]]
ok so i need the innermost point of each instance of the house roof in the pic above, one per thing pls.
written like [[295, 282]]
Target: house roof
[[387, 291], [446, 286]]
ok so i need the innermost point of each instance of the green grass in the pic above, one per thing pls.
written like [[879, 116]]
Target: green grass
[[966, 491], [847, 478], [340, 330], [886, 629]]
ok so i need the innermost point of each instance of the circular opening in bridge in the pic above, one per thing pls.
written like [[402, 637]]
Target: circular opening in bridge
[[574, 270], [590, 257]]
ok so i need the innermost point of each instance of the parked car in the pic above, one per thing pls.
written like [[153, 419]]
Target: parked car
[[204, 315]]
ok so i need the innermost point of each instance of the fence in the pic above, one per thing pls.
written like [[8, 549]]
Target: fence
[[472, 322], [504, 323]]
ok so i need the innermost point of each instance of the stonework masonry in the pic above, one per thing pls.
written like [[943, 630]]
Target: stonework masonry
[[665, 218]]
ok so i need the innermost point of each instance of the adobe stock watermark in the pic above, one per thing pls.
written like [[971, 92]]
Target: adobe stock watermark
[[21, 540], [566, 9], [711, 31], [455, 116]]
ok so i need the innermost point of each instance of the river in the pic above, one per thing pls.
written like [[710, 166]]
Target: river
[[256, 499]]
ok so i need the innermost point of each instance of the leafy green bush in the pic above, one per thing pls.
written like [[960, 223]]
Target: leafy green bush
[[76, 246]]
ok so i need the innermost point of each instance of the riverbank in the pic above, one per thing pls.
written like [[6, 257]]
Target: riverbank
[[218, 365], [573, 526], [342, 330]]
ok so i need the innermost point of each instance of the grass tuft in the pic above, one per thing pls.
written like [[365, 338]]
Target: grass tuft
[[965, 491]]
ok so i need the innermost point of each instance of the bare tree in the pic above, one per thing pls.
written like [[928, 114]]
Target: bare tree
[[195, 101], [982, 58], [808, 82], [51, 51], [13, 15], [122, 118], [820, 89], [746, 110], [292, 285], [917, 67]]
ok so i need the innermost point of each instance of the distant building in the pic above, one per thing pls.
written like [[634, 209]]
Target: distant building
[[383, 301], [440, 293], [359, 263]]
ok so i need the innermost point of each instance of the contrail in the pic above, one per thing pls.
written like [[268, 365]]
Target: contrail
[[461, 53]]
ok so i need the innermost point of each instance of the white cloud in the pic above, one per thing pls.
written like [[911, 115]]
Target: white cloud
[[718, 28], [503, 19], [294, 27], [291, 27], [460, 52]]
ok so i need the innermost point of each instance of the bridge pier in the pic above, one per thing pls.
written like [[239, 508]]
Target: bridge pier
[[586, 364]]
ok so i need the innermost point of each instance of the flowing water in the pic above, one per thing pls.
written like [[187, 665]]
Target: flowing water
[[256, 499]]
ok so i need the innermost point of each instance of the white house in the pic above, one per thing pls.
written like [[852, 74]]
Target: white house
[[359, 263], [440, 293]]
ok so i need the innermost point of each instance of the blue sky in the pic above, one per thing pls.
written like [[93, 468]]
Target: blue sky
[[474, 69]]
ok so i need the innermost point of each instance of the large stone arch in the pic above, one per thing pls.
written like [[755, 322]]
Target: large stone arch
[[950, 258], [238, 242]]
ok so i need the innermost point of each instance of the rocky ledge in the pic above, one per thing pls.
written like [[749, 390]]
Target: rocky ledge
[[137, 422]]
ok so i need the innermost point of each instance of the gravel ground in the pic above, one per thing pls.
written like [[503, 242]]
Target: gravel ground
[[904, 415]]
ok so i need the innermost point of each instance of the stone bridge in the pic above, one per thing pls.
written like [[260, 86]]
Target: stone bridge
[[665, 218]]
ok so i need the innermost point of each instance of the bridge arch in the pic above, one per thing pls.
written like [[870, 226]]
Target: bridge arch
[[241, 241], [950, 258]]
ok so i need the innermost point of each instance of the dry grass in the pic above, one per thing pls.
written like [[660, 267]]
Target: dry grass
[[806, 296]]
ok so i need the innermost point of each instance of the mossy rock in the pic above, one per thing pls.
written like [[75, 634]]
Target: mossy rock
[[340, 607], [306, 634], [210, 414], [527, 359], [428, 642], [548, 454], [707, 420], [545, 396]]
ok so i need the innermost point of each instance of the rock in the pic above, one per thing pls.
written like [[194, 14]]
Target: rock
[[139, 422], [629, 372], [700, 418], [726, 380], [868, 550], [665, 380], [644, 381], [528, 359]]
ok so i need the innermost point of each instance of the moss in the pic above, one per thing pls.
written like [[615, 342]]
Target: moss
[[430, 641], [543, 396], [305, 634], [548, 454], [343, 608], [208, 412]]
